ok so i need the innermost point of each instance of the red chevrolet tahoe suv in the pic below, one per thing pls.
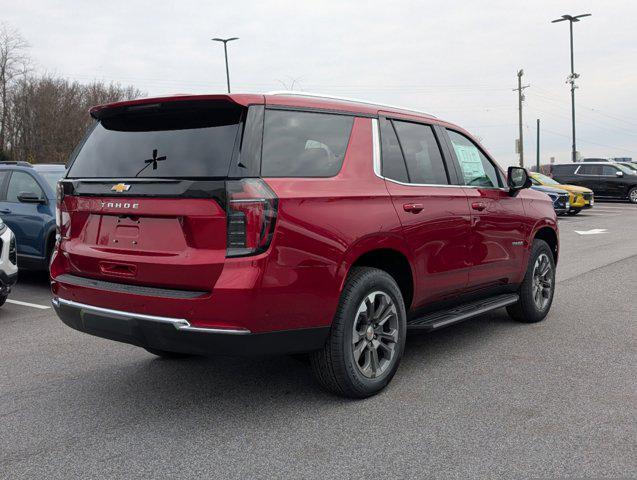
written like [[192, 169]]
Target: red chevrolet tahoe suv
[[292, 223]]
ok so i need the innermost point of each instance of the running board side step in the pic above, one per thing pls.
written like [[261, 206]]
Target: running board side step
[[442, 318]]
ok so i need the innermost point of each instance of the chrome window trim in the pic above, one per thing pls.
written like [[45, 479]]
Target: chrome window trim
[[376, 154], [377, 166], [180, 324], [589, 175]]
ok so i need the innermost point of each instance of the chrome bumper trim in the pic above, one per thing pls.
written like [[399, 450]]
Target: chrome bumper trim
[[180, 324]]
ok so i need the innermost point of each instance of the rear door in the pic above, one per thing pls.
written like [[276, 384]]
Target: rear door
[[145, 196], [590, 176], [498, 233], [434, 214]]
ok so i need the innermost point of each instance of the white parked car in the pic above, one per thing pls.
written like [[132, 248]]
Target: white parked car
[[8, 261]]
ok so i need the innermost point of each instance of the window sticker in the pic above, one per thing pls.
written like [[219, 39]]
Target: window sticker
[[469, 158]]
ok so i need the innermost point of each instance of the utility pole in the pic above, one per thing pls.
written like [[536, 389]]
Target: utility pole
[[225, 51], [537, 147], [573, 76], [520, 100]]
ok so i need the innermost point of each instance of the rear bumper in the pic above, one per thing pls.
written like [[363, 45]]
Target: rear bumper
[[177, 335]]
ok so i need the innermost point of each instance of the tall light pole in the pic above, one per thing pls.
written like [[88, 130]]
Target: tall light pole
[[225, 51], [573, 76], [520, 90]]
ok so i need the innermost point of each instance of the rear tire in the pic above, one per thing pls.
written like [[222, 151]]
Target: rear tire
[[166, 354], [632, 195], [367, 336], [3, 298], [574, 211], [538, 287]]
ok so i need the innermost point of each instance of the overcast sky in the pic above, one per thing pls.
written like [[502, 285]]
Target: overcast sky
[[455, 59]]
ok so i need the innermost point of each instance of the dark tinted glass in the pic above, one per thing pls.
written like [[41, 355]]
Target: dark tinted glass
[[590, 170], [182, 140], [563, 169], [22, 182], [303, 144], [609, 170], [422, 154], [391, 156], [477, 169]]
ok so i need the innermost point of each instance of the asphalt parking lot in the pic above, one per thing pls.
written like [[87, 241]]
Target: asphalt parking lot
[[488, 397]]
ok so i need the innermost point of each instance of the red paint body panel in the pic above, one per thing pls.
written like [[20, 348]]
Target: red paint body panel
[[438, 238], [323, 226]]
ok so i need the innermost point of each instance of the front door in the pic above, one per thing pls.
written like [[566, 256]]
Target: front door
[[26, 220], [434, 214], [498, 222]]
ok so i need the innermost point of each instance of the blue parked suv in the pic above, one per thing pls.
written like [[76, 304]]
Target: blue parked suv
[[27, 206]]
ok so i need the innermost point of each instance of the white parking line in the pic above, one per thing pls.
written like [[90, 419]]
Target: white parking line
[[27, 304]]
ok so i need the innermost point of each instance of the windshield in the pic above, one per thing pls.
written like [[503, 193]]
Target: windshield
[[626, 169], [631, 168], [543, 179], [161, 141]]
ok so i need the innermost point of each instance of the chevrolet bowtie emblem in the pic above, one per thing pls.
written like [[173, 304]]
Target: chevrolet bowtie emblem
[[120, 187]]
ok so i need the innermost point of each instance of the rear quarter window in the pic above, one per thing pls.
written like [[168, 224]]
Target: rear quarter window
[[563, 169], [304, 144]]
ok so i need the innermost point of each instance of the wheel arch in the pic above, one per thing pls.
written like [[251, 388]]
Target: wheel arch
[[386, 253], [550, 236]]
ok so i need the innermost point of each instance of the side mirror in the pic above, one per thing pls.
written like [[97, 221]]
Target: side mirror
[[619, 173], [30, 197], [517, 179]]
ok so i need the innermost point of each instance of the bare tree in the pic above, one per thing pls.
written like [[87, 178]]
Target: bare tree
[[49, 115], [14, 63]]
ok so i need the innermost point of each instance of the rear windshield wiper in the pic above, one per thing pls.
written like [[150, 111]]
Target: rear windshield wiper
[[152, 161]]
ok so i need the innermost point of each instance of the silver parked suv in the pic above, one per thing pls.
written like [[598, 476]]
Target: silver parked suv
[[8, 261]]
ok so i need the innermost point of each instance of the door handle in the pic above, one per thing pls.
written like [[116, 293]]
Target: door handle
[[478, 206], [413, 207]]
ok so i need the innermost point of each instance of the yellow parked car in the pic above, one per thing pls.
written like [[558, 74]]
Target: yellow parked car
[[579, 197]]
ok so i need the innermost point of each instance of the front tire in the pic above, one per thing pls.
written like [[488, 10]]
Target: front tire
[[632, 195], [367, 336], [574, 211], [538, 287], [3, 298]]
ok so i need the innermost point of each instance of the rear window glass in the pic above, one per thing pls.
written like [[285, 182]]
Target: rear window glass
[[181, 140], [304, 144], [563, 169]]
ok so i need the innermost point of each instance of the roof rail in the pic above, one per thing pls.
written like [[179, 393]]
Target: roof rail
[[345, 99], [20, 163]]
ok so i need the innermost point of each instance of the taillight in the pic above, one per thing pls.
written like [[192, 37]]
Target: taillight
[[62, 218], [251, 210]]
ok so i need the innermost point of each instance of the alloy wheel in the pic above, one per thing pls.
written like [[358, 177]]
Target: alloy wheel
[[375, 334], [542, 281]]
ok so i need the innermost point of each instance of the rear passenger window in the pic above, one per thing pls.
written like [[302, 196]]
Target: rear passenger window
[[590, 170], [392, 158], [422, 154], [477, 169], [304, 144]]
